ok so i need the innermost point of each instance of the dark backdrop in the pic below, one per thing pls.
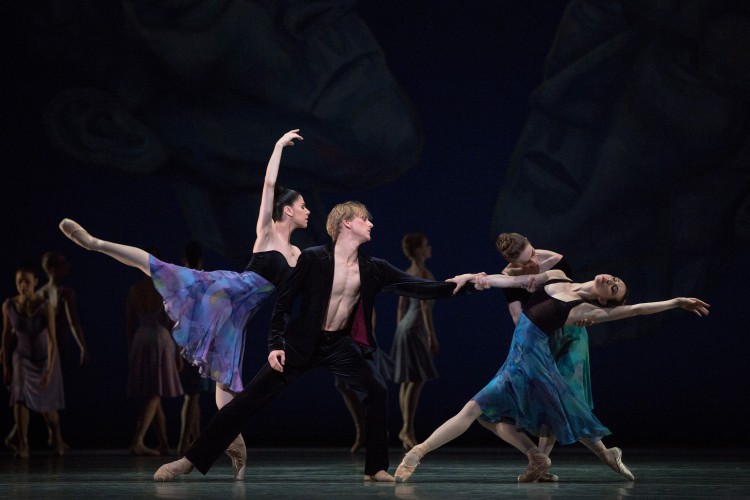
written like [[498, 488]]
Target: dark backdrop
[[468, 70]]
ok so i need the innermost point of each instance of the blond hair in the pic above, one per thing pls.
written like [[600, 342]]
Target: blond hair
[[344, 211]]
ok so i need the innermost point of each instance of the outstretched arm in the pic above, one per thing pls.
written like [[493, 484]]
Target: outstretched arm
[[265, 214], [483, 281], [596, 314]]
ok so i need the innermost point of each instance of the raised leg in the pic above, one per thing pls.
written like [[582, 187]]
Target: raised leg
[[131, 256]]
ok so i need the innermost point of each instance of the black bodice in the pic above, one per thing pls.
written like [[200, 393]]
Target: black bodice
[[548, 313], [272, 266]]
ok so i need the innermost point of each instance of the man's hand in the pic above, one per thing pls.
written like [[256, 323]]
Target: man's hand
[[277, 359]]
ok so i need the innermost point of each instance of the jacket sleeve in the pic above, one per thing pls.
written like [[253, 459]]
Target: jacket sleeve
[[282, 311], [402, 283]]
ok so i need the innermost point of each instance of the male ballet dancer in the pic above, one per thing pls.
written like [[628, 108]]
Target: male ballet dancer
[[337, 286]]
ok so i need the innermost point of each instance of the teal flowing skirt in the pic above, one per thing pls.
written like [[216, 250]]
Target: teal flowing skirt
[[530, 391]]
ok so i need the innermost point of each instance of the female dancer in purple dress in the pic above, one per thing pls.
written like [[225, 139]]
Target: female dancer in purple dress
[[32, 367], [528, 393], [210, 309]]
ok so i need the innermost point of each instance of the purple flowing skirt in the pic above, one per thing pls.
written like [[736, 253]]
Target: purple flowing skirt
[[210, 310]]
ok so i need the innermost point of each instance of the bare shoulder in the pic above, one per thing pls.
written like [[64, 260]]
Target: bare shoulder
[[556, 274]]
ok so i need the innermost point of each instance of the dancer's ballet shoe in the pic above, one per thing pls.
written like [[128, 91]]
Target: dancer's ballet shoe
[[77, 234], [548, 477], [237, 451], [165, 473], [380, 476], [538, 465], [613, 458], [141, 450], [23, 451], [404, 470]]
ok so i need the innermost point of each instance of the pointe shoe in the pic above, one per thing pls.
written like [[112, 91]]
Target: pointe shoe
[[613, 458], [164, 473], [404, 471], [548, 477], [77, 234], [237, 451], [538, 465], [380, 476]]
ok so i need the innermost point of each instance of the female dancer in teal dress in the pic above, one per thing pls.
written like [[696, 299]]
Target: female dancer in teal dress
[[210, 309], [528, 390], [569, 345]]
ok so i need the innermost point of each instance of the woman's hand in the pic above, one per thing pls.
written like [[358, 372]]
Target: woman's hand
[[287, 139], [692, 304]]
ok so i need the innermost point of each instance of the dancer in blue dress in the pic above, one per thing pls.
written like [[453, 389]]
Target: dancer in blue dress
[[528, 391], [569, 344], [210, 308]]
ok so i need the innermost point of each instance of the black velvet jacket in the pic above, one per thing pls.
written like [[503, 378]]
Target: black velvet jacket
[[310, 284]]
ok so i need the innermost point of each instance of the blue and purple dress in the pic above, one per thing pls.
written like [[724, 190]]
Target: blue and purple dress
[[210, 310], [529, 389]]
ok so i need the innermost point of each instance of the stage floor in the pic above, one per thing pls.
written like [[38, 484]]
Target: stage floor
[[334, 473]]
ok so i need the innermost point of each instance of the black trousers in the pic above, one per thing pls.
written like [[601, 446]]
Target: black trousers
[[342, 357]]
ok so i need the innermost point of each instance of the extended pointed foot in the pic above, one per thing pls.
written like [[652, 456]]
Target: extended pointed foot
[[237, 451], [410, 462], [613, 458], [77, 234]]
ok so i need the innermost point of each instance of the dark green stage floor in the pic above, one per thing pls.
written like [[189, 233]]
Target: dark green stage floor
[[334, 473]]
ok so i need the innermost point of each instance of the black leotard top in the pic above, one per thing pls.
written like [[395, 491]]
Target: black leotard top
[[546, 312], [272, 266]]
